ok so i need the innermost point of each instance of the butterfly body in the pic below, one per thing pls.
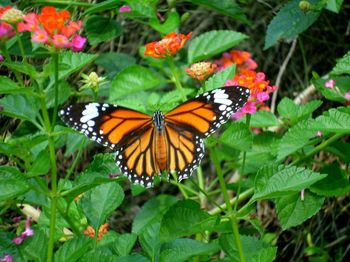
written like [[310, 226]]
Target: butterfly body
[[147, 145]]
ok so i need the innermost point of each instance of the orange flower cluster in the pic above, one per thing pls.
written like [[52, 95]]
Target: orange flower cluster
[[201, 70], [89, 231], [168, 46], [247, 76], [55, 28]]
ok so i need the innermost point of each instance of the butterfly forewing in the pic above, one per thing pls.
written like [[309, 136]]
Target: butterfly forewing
[[207, 112]]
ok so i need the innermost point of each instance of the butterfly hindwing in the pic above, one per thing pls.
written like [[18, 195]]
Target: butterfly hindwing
[[207, 112]]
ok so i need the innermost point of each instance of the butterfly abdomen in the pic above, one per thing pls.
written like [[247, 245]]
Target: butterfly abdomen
[[161, 151]]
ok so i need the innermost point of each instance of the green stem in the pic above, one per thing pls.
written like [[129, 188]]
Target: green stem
[[21, 48], [248, 117], [55, 57], [231, 213], [318, 148], [61, 2], [202, 198], [176, 78]]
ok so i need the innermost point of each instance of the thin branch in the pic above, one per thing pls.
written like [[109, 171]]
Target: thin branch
[[280, 74]]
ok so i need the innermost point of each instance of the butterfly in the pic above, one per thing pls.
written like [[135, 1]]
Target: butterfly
[[147, 145]]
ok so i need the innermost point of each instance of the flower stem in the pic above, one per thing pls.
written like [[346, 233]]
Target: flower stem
[[55, 58], [248, 117], [202, 197], [230, 211], [8, 58], [21, 48], [176, 78]]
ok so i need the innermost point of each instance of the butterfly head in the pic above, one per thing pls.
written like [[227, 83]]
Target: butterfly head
[[158, 119]]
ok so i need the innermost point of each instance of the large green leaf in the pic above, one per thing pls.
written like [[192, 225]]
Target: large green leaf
[[238, 136], [335, 184], [113, 63], [343, 65], [263, 118], [64, 92], [176, 221], [183, 249], [334, 5], [98, 203], [12, 183], [337, 93], [225, 7], [276, 181], [20, 106], [133, 79], [149, 240], [152, 211], [123, 244], [335, 120], [41, 164], [141, 9], [24, 68], [293, 211], [100, 29], [296, 138], [100, 7], [212, 43], [289, 22], [292, 112], [7, 86], [219, 79], [73, 249], [255, 250]]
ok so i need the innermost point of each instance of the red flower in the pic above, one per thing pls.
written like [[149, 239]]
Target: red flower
[[53, 27], [242, 59], [201, 70], [168, 46]]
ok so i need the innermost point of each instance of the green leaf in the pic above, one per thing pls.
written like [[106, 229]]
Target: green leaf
[[20, 106], [337, 93], [334, 5], [334, 185], [41, 164], [263, 118], [275, 181], [219, 79], [98, 203], [24, 68], [149, 240], [123, 244], [99, 255], [203, 47], [141, 8], [170, 25], [133, 79], [113, 62], [12, 183], [293, 211], [296, 138], [226, 7], [343, 65], [73, 249], [334, 120], [7, 86], [289, 110], [101, 29], [64, 92], [238, 136], [176, 221], [100, 7], [254, 249], [34, 248], [136, 257], [289, 22], [340, 149], [183, 249], [152, 211]]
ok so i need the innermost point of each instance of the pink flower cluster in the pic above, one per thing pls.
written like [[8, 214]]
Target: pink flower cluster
[[26, 233], [53, 27], [6, 30]]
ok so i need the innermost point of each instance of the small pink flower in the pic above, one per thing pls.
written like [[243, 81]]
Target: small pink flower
[[30, 23], [319, 133], [1, 58], [60, 41], [262, 96], [249, 108], [124, 8], [230, 82], [260, 76], [18, 240], [78, 43], [16, 219], [347, 95], [26, 233], [6, 30], [329, 83], [6, 258], [237, 115], [40, 36]]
